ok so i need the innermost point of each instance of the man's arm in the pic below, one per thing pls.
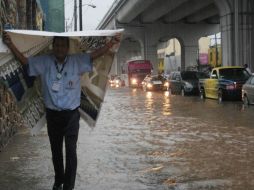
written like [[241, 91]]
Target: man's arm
[[94, 55], [7, 40]]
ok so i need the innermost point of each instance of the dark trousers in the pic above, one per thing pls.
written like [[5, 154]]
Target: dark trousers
[[64, 125]]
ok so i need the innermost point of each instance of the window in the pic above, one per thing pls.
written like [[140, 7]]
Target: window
[[234, 74], [178, 77], [214, 75], [173, 76], [252, 81]]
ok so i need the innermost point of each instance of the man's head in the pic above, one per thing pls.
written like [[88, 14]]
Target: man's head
[[246, 65], [61, 47]]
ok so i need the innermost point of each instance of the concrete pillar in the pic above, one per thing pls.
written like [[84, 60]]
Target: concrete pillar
[[189, 55], [150, 50], [237, 35], [245, 33], [151, 54], [227, 40]]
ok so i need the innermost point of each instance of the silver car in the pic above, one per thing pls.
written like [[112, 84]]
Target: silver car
[[248, 91]]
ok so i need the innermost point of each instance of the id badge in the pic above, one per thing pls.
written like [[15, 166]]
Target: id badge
[[56, 86]]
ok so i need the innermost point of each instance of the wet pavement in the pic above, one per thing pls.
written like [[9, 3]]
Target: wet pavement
[[146, 141]]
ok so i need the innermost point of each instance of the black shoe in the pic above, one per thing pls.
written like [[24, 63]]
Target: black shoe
[[57, 187]]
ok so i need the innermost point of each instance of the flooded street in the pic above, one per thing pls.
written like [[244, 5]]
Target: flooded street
[[146, 141]]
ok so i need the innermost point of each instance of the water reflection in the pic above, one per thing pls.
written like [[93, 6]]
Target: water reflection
[[166, 94], [148, 140], [149, 102], [166, 108]]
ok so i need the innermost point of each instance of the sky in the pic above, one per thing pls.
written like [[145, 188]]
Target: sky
[[91, 16]]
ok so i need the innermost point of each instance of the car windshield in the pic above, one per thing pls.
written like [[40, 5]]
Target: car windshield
[[161, 78], [193, 75], [234, 74], [146, 71], [201, 75]]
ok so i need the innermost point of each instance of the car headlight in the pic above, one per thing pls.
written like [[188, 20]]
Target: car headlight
[[134, 81], [149, 85], [166, 84]]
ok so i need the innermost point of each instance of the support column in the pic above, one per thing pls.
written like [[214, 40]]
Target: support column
[[151, 54], [245, 33], [237, 35], [227, 40], [189, 56]]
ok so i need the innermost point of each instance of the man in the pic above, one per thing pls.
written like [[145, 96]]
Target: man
[[247, 68], [60, 75]]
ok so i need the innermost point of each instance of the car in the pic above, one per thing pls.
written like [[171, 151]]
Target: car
[[155, 82], [248, 91], [186, 82], [225, 83], [115, 82]]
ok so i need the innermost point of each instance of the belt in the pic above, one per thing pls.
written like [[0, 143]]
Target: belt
[[61, 111]]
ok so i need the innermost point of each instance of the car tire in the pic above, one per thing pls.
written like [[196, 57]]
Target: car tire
[[246, 100], [202, 94], [220, 96], [183, 92]]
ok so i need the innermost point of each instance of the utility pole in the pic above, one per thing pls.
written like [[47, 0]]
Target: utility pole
[[75, 15], [80, 16]]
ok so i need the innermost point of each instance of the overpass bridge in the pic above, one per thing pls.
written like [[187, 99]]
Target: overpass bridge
[[149, 23]]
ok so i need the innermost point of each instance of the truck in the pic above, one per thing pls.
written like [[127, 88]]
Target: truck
[[224, 83], [135, 72]]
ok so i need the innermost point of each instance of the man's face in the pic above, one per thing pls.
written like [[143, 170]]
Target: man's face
[[60, 49]]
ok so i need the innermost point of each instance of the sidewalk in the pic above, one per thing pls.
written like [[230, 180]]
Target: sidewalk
[[25, 164]]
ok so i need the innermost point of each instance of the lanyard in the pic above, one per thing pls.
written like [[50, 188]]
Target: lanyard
[[59, 71]]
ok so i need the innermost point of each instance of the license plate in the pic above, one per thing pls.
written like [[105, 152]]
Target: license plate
[[157, 82]]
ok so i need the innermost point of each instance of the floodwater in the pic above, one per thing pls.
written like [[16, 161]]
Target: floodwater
[[146, 141]]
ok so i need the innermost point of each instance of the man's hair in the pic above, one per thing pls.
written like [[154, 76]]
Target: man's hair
[[66, 39]]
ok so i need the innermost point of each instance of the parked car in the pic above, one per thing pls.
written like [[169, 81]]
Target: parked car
[[116, 82], [248, 91], [186, 82], [224, 83], [156, 82]]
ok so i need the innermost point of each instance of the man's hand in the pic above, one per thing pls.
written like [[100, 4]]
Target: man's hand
[[115, 40], [7, 39]]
